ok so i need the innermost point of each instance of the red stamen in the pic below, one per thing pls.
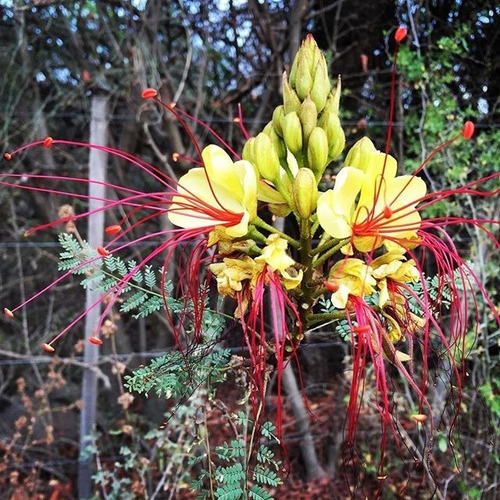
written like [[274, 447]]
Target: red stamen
[[48, 348], [8, 313], [149, 93], [102, 251], [400, 34], [114, 229], [468, 130], [95, 340], [387, 212], [7, 156], [48, 142]]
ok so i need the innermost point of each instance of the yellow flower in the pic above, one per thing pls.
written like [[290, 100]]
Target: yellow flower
[[231, 273], [392, 265], [352, 277], [370, 204], [223, 193], [275, 255]]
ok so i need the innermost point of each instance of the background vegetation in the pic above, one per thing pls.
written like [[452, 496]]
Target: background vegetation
[[209, 56]]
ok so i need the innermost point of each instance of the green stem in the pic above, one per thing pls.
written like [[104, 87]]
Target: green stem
[[264, 225], [325, 243], [325, 317], [306, 260], [320, 260]]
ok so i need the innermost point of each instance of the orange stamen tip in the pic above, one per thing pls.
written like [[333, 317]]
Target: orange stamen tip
[[333, 287], [102, 251], [175, 157], [48, 142], [236, 120], [382, 478], [48, 348], [8, 313], [387, 212], [172, 105], [95, 340], [115, 229], [7, 156], [400, 34], [149, 93], [419, 417], [468, 130]]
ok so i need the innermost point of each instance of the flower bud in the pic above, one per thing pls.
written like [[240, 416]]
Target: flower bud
[[317, 151], [292, 132], [309, 73], [304, 80], [248, 152], [291, 102], [330, 123], [333, 101], [305, 193], [266, 157], [321, 85], [360, 154], [278, 143], [278, 114], [308, 117]]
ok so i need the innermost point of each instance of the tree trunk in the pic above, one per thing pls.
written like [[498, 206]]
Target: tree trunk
[[97, 172]]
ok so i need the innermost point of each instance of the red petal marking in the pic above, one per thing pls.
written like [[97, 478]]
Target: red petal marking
[[149, 93], [7, 156], [95, 340], [115, 229], [400, 34], [468, 130], [419, 417], [8, 313], [333, 287], [102, 251], [48, 348], [48, 142]]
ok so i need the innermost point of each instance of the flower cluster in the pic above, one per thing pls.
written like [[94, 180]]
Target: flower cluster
[[360, 244]]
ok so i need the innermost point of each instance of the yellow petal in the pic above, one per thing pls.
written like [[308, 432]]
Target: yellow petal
[[335, 207]]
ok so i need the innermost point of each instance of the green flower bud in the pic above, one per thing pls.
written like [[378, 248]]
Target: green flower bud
[[309, 73], [317, 151], [321, 86], [330, 123], [266, 158], [333, 102], [305, 193], [308, 117], [304, 81], [292, 132], [291, 102], [248, 153], [278, 115], [360, 154], [278, 143]]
